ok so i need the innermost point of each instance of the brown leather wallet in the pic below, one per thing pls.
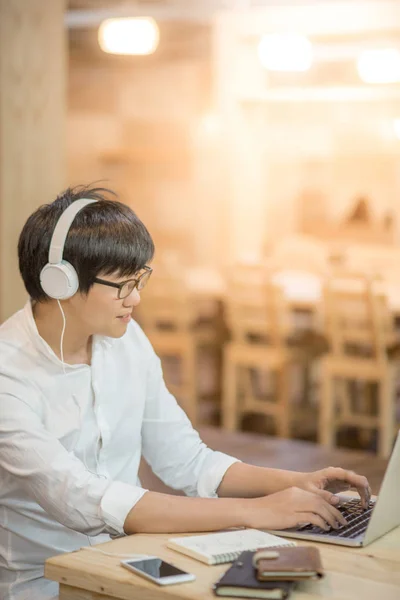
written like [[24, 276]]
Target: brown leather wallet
[[289, 564]]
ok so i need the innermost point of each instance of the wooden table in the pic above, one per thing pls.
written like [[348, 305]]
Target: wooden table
[[302, 289], [371, 573]]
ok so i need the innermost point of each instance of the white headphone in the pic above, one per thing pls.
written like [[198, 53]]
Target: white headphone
[[58, 278]]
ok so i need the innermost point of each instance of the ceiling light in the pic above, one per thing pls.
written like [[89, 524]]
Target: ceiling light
[[285, 52], [379, 66], [136, 36]]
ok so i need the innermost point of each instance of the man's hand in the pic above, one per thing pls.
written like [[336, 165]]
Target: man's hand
[[327, 482], [290, 508]]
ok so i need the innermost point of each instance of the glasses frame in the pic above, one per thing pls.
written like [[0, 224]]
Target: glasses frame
[[147, 271]]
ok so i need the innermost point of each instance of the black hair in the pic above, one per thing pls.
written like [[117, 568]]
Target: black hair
[[105, 237]]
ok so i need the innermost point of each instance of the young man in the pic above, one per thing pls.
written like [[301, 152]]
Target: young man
[[82, 397]]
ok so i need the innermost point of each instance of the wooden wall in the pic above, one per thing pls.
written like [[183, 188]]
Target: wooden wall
[[324, 132], [141, 125], [32, 132], [214, 153]]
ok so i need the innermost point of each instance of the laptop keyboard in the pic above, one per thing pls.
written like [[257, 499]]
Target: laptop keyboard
[[356, 516]]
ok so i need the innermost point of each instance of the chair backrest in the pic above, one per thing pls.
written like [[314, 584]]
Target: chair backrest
[[357, 318], [165, 304], [255, 309]]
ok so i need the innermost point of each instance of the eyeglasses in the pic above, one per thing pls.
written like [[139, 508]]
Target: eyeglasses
[[126, 287]]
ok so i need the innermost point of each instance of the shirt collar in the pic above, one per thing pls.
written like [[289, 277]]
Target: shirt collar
[[42, 346]]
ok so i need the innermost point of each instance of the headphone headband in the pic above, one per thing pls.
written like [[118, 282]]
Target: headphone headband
[[62, 228], [58, 278]]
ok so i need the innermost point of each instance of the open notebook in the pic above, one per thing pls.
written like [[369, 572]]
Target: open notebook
[[226, 546]]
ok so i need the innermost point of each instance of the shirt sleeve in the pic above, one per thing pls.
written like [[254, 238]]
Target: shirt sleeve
[[172, 447], [55, 478]]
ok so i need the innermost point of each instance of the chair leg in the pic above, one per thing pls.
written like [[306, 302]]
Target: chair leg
[[230, 406], [387, 417], [365, 436], [327, 427], [343, 398], [283, 425]]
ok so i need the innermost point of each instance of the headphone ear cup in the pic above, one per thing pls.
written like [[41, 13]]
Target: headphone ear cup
[[59, 281]]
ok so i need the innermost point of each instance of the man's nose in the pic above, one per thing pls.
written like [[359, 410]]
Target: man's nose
[[133, 299]]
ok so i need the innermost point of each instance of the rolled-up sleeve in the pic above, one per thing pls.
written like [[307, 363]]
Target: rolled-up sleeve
[[55, 478], [117, 502], [173, 448]]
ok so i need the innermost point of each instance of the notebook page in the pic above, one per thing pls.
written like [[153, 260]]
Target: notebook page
[[227, 542]]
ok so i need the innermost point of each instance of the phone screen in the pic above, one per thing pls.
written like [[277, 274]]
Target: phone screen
[[155, 567]]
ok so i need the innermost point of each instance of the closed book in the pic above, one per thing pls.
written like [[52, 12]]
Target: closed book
[[240, 581], [294, 564]]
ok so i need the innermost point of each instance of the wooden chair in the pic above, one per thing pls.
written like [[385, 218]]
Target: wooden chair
[[256, 319], [359, 328], [169, 318]]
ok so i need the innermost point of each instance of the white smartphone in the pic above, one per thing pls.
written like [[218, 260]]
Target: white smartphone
[[157, 570]]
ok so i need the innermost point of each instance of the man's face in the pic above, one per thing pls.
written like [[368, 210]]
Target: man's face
[[101, 311]]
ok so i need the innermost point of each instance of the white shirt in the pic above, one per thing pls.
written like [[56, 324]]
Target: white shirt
[[70, 447]]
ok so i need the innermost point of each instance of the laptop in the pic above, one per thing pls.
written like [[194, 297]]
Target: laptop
[[364, 525]]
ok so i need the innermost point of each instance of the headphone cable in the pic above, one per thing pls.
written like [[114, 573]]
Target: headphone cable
[[62, 336]]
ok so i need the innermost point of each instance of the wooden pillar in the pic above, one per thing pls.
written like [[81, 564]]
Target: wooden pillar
[[32, 125]]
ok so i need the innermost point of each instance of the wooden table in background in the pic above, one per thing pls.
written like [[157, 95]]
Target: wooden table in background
[[371, 573], [302, 289]]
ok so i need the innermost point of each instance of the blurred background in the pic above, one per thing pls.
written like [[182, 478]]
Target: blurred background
[[259, 141]]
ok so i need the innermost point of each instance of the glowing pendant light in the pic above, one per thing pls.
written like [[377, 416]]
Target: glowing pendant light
[[285, 52], [379, 66], [133, 35]]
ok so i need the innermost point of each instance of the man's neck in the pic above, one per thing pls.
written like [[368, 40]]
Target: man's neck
[[77, 347]]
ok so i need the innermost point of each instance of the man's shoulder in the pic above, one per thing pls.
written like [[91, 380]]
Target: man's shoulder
[[13, 335], [16, 357]]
